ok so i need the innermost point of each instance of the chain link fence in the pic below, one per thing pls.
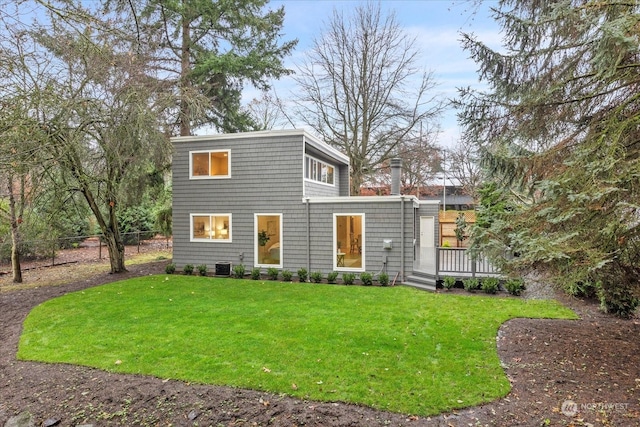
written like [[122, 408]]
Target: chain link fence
[[68, 250]]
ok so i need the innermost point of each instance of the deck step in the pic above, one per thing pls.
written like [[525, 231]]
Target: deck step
[[421, 282]]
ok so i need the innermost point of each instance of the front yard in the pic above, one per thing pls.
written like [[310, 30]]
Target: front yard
[[396, 349]]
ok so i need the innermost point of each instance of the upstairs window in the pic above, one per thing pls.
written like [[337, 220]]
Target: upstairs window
[[315, 170], [210, 164]]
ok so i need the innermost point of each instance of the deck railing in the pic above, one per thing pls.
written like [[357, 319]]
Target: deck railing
[[453, 262]]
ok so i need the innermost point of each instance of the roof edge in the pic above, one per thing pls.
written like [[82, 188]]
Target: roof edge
[[308, 138], [238, 135], [360, 199]]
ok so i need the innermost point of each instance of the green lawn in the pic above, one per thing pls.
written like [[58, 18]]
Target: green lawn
[[393, 348]]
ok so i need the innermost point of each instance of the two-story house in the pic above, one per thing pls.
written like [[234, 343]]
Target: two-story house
[[281, 199]]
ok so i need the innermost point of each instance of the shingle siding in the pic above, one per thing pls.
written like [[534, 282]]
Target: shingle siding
[[267, 176], [382, 220]]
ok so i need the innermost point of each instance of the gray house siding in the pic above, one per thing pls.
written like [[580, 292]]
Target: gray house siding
[[341, 181], [382, 220], [432, 209], [267, 177], [267, 171], [264, 171], [314, 189]]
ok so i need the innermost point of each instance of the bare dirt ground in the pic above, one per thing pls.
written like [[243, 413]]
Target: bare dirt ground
[[563, 373]]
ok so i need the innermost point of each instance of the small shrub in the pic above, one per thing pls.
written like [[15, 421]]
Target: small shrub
[[618, 299], [188, 269], [331, 277], [202, 269], [272, 273], [348, 278], [383, 279], [490, 285], [448, 282], [255, 273], [316, 277], [582, 289], [514, 286], [238, 271], [287, 275], [170, 268], [366, 278], [471, 285], [303, 275]]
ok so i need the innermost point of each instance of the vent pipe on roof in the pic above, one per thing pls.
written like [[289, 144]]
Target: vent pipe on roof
[[396, 169]]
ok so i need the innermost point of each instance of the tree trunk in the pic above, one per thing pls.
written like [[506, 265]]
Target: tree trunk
[[185, 68], [116, 251], [15, 221], [109, 228], [15, 253], [356, 183]]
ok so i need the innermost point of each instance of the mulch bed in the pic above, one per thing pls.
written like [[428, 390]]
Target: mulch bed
[[580, 373]]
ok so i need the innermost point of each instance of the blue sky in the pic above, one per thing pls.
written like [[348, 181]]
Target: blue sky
[[436, 25]]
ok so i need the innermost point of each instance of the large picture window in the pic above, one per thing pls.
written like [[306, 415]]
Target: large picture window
[[210, 164], [211, 227], [348, 237], [316, 170], [268, 240]]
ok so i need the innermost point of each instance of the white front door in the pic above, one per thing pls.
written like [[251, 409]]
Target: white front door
[[427, 252], [427, 232]]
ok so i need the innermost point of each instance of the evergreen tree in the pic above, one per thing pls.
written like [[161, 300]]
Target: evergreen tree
[[209, 50], [560, 127]]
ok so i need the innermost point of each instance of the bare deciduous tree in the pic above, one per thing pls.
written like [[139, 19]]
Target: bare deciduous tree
[[464, 167], [268, 112], [360, 89]]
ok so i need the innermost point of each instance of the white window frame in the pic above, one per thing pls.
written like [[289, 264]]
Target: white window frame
[[256, 246], [335, 241], [313, 170], [192, 176], [209, 239]]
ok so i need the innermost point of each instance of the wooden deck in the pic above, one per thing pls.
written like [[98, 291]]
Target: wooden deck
[[433, 264]]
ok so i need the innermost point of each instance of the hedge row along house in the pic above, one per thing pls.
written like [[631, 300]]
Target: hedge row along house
[[281, 199]]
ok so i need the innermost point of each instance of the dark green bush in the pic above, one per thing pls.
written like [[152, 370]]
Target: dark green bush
[[331, 277], [170, 268], [238, 271], [471, 284], [202, 269], [135, 219], [448, 282], [490, 285], [255, 273], [303, 275], [348, 278], [188, 269], [287, 275], [514, 286], [582, 289], [316, 277], [383, 279], [366, 278], [272, 273], [618, 299]]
